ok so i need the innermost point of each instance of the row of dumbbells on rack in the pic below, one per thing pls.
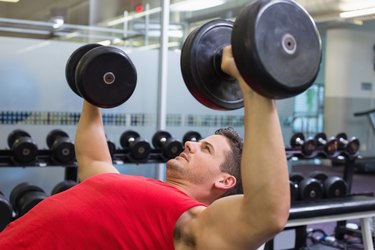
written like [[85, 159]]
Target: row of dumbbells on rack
[[25, 196], [316, 186], [24, 151], [322, 146]]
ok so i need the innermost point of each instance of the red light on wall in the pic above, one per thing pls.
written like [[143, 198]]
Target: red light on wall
[[139, 8]]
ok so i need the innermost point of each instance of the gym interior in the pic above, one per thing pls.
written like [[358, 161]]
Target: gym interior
[[328, 128]]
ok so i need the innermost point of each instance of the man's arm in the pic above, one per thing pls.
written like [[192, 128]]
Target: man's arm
[[245, 222], [91, 147]]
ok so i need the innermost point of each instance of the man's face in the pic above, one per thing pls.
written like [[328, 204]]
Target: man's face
[[200, 162]]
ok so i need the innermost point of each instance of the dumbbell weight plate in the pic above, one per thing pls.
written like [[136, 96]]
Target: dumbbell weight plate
[[62, 148], [172, 149], [320, 176], [159, 138], [295, 137], [201, 67], [53, 135], [335, 187], [310, 189], [71, 65], [277, 48], [140, 150], [111, 147], [127, 136], [62, 186], [293, 191], [21, 204], [106, 77], [296, 177], [191, 136], [6, 212], [15, 134], [24, 150]]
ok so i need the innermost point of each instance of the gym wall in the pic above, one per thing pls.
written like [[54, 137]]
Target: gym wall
[[349, 84]]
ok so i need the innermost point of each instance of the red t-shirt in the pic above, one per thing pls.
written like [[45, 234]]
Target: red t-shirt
[[107, 211]]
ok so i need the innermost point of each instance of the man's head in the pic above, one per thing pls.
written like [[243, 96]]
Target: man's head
[[232, 163], [210, 168]]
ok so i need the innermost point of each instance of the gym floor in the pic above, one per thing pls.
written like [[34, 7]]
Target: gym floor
[[362, 183]]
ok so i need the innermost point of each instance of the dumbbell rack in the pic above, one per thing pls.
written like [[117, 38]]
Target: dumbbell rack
[[44, 159]]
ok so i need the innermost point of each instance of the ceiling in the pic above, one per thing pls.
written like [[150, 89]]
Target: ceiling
[[90, 18]]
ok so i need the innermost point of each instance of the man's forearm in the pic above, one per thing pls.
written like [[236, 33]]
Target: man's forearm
[[264, 165], [90, 141]]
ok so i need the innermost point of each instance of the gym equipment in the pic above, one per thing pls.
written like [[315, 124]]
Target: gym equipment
[[24, 150], [191, 136], [62, 148], [62, 186], [169, 146], [276, 46], [294, 180], [307, 146], [111, 147], [25, 196], [329, 146], [333, 186], [139, 148], [350, 146], [6, 212], [309, 189], [103, 75]]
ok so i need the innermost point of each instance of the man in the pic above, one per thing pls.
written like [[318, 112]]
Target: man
[[108, 210]]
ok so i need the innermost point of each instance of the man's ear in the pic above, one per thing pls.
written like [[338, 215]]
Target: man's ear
[[226, 181]]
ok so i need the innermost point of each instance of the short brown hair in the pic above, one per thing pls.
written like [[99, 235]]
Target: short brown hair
[[232, 163]]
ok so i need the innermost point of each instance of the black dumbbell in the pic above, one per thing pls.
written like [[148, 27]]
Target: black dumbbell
[[329, 146], [24, 150], [276, 58], [350, 146], [62, 148], [6, 211], [169, 146], [309, 189], [25, 196], [139, 149], [103, 75], [111, 147], [307, 146], [333, 186], [191, 136], [294, 180], [62, 186]]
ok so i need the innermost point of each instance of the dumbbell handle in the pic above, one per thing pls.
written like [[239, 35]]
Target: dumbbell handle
[[217, 58]]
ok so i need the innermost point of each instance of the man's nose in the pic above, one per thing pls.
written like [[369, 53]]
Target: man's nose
[[190, 146]]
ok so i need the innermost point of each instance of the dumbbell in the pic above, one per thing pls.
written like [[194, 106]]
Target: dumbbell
[[61, 147], [6, 211], [350, 146], [294, 180], [62, 186], [309, 189], [169, 146], [333, 186], [24, 150], [307, 146], [277, 64], [102, 75], [111, 147], [25, 196], [191, 136], [329, 145], [139, 149]]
